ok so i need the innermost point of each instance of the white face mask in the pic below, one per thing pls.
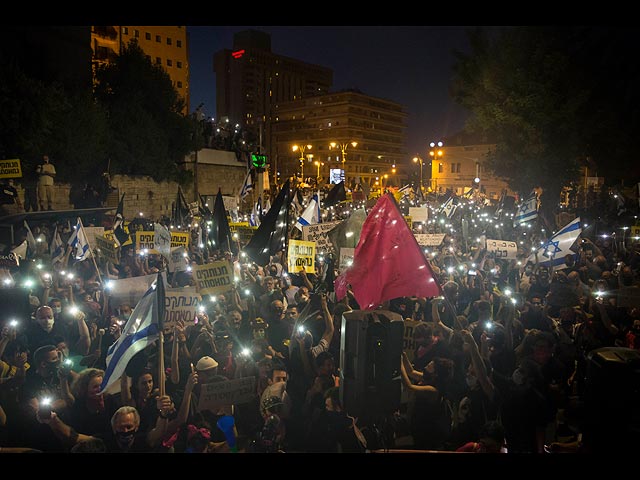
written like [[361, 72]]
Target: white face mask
[[517, 377], [46, 324], [57, 310]]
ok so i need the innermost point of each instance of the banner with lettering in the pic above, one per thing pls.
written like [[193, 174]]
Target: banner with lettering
[[178, 260], [180, 304], [502, 249], [408, 345], [318, 233], [162, 240], [107, 248], [10, 168], [229, 392], [419, 214], [145, 240], [429, 239], [213, 278], [301, 255], [130, 290]]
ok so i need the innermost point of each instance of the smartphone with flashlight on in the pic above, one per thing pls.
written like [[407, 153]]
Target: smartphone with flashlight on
[[44, 407]]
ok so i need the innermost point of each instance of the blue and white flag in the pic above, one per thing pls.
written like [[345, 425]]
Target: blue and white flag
[[448, 207], [78, 240], [56, 248], [141, 330], [247, 186], [527, 211], [552, 253], [31, 240], [311, 214]]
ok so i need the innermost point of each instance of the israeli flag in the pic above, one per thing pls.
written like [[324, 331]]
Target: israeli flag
[[78, 240], [247, 186], [527, 211], [311, 214], [141, 330], [552, 253]]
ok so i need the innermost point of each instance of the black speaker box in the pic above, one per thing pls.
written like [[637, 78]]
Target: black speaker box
[[370, 350], [612, 396]]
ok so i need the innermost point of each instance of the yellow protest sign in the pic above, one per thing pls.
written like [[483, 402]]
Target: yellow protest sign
[[213, 278], [301, 255], [10, 168]]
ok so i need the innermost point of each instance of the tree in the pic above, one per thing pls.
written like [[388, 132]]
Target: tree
[[149, 134], [547, 97]]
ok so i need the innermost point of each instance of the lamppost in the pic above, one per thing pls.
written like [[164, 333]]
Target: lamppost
[[343, 149], [436, 152], [418, 159], [318, 164], [301, 148]]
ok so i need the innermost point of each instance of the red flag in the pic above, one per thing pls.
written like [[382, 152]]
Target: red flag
[[388, 262]]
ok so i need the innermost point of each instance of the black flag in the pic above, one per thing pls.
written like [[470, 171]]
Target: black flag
[[181, 210], [271, 236], [336, 195], [220, 234], [119, 234]]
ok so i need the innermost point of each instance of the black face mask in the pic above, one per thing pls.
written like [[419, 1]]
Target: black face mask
[[125, 438], [52, 367]]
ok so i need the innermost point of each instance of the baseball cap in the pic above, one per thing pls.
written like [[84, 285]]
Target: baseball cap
[[206, 363]]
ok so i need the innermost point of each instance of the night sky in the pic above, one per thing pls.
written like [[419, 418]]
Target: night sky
[[410, 65]]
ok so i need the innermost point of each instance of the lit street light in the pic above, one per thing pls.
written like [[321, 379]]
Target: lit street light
[[318, 164], [343, 149], [418, 159], [301, 148]]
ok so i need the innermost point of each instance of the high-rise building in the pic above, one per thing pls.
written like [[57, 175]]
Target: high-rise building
[[165, 46], [331, 123], [251, 80]]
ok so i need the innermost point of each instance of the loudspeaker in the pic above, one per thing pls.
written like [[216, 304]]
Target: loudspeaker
[[612, 396], [370, 350]]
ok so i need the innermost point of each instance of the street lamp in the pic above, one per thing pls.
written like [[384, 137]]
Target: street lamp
[[418, 159], [318, 164], [436, 151], [301, 148], [343, 149]]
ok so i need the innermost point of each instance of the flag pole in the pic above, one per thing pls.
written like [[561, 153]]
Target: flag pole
[[93, 256], [160, 299]]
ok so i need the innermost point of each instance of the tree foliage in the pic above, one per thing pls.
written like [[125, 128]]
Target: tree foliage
[[148, 133], [551, 97]]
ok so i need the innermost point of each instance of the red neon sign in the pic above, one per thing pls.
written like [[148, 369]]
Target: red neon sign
[[237, 53]]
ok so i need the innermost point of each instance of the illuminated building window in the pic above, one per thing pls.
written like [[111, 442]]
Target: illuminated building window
[[125, 30], [440, 168]]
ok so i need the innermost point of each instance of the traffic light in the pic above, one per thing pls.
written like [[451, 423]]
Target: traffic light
[[258, 160]]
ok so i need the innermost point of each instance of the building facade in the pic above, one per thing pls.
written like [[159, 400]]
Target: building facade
[[251, 80], [463, 161], [377, 127], [165, 46]]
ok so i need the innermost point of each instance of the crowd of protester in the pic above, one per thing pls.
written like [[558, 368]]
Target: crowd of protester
[[499, 361]]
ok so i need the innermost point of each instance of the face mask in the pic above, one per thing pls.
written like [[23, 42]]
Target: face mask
[[125, 438], [57, 310], [471, 380], [517, 377], [125, 316], [46, 324]]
